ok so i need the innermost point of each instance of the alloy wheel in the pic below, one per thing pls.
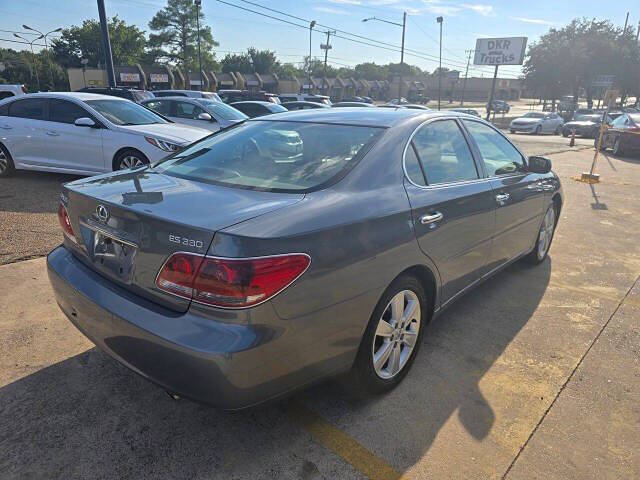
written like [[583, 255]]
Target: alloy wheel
[[130, 161], [546, 233], [396, 334]]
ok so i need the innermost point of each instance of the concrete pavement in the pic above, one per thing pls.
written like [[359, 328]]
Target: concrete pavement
[[532, 375]]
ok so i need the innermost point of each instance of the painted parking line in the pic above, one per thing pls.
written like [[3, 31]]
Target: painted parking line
[[349, 450]]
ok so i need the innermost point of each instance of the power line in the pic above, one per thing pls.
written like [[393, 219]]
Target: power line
[[18, 41]]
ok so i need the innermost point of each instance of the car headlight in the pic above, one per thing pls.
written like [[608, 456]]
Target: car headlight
[[163, 144]]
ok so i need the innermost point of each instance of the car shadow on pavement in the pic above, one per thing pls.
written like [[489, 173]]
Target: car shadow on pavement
[[89, 417], [457, 351]]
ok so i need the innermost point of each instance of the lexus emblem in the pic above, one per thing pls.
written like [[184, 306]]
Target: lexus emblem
[[102, 213]]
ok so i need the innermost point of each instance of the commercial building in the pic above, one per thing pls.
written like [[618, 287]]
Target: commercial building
[[156, 77]]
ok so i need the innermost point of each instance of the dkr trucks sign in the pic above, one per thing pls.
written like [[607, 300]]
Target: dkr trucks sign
[[500, 51]]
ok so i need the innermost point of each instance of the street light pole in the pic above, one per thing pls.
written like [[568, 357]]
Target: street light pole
[[46, 47], [106, 44], [311, 25], [35, 64], [439, 20], [403, 25], [198, 2], [326, 47]]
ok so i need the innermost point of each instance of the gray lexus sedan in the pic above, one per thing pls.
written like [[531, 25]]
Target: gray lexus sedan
[[297, 246]]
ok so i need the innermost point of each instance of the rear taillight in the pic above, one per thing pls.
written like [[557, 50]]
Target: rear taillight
[[65, 222], [230, 282]]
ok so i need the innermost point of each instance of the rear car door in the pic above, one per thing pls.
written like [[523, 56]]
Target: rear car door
[[518, 194], [72, 147], [452, 205], [24, 132]]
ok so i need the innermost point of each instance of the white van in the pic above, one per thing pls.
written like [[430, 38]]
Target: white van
[[7, 91]]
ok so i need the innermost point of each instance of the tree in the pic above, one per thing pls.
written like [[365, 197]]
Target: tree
[[84, 41], [233, 62], [371, 71], [19, 69], [176, 37], [567, 59], [263, 61]]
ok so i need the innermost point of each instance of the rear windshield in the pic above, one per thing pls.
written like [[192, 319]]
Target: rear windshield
[[223, 110], [533, 115], [273, 156]]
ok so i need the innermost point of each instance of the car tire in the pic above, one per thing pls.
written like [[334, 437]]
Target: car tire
[[617, 149], [391, 341], [538, 130], [558, 130], [565, 133], [129, 158], [544, 238], [512, 131], [7, 168]]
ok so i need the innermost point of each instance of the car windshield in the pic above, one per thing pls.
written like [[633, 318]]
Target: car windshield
[[222, 110], [273, 156], [125, 113], [533, 115]]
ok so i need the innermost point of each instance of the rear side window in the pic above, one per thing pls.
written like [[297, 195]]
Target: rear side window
[[273, 156], [4, 110], [444, 153], [414, 169], [5, 95], [498, 155], [32, 108], [62, 111]]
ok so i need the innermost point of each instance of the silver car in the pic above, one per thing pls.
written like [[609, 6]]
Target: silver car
[[197, 112], [537, 123]]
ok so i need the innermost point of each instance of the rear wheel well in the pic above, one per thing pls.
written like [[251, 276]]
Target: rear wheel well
[[428, 282], [114, 162]]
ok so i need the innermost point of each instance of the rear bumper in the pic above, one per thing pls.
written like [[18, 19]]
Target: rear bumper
[[230, 359]]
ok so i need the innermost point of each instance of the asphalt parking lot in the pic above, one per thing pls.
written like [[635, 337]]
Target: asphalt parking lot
[[534, 375]]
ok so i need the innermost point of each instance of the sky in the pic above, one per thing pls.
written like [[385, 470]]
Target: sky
[[236, 29]]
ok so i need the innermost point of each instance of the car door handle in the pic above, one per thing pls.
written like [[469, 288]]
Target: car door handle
[[431, 218], [52, 133], [533, 186], [502, 197]]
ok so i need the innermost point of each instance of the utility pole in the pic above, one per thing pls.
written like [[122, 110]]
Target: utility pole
[[198, 2], [404, 25], [326, 47], [311, 25], [106, 45], [626, 20], [638, 31], [439, 20], [466, 73]]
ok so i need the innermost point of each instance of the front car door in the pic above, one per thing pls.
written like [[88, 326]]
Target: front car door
[[452, 204], [72, 147], [187, 113], [518, 194]]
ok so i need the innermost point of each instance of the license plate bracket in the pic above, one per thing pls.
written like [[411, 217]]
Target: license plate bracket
[[113, 256]]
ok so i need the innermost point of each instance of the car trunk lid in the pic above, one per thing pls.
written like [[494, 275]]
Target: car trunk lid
[[128, 224]]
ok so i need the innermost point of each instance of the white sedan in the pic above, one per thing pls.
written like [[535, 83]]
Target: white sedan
[[537, 123], [85, 134]]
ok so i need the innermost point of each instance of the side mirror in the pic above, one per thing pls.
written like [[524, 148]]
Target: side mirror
[[84, 122], [539, 165], [205, 116]]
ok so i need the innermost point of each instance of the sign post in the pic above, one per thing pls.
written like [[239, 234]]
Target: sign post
[[610, 98], [496, 52]]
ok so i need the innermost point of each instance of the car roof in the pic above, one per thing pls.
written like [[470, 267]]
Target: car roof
[[259, 102], [176, 97], [366, 117], [82, 96]]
